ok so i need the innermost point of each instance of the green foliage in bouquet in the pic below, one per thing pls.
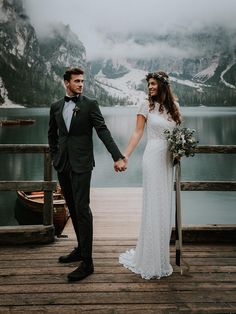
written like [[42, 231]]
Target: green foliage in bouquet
[[181, 142]]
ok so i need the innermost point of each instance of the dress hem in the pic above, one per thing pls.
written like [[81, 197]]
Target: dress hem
[[123, 261]]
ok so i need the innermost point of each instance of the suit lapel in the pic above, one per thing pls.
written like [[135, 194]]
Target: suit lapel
[[73, 119], [62, 121]]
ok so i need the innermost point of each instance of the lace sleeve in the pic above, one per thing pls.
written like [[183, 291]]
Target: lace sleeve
[[143, 109]]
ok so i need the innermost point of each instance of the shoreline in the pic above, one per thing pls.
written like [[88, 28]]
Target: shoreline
[[11, 106]]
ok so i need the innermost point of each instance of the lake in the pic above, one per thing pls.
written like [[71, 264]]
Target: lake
[[214, 125]]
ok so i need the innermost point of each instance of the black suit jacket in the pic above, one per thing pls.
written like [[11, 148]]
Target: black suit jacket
[[77, 144]]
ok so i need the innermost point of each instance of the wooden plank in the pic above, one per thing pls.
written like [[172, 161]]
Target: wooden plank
[[19, 271], [21, 229], [48, 195], [110, 216], [95, 309], [68, 243], [41, 148], [210, 277], [48, 208], [209, 233], [24, 148], [65, 246], [116, 287], [213, 149], [117, 297], [47, 167], [26, 234], [112, 265], [111, 262], [123, 309], [47, 252], [27, 185], [47, 255], [207, 186]]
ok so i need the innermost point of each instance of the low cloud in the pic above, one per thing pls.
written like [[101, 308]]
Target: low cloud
[[131, 49], [95, 21]]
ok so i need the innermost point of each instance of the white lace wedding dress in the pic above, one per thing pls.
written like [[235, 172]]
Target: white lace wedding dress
[[151, 258]]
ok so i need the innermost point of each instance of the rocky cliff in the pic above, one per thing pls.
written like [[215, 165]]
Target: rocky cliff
[[31, 68]]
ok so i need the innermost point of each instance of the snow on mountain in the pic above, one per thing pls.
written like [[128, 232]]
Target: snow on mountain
[[207, 73], [4, 94], [223, 73], [195, 85], [19, 48], [197, 76], [124, 87]]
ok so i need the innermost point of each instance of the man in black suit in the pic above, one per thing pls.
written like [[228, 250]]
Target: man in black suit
[[72, 120]]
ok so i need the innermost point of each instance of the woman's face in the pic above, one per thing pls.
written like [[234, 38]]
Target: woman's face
[[152, 87]]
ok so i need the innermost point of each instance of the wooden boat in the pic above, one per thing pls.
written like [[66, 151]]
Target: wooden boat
[[16, 122], [34, 202]]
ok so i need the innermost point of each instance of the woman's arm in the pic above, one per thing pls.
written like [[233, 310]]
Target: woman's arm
[[134, 140], [136, 136]]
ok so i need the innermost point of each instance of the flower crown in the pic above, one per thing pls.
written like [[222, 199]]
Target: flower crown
[[158, 77]]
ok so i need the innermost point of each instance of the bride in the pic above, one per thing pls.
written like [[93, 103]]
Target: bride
[[151, 258]]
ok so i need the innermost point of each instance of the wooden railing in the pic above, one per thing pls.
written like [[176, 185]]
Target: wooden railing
[[205, 233], [46, 185], [211, 185]]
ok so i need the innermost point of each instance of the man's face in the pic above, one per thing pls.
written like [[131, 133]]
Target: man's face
[[75, 85]]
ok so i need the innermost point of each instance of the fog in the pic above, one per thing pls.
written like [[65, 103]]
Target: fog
[[95, 21]]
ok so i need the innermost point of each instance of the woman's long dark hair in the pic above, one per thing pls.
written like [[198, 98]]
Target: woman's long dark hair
[[164, 97]]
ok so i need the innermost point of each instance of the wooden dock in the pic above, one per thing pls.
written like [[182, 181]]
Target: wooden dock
[[32, 281]]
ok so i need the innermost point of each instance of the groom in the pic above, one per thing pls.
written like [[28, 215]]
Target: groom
[[71, 123]]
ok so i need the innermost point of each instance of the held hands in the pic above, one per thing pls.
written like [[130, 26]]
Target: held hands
[[121, 164]]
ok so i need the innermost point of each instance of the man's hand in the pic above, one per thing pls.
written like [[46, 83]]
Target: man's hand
[[120, 165]]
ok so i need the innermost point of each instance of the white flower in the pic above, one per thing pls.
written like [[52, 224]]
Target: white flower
[[181, 142]]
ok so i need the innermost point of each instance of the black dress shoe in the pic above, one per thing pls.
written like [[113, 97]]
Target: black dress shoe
[[74, 256], [83, 271]]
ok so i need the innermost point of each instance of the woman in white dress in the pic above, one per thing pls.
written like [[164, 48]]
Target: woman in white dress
[[151, 258]]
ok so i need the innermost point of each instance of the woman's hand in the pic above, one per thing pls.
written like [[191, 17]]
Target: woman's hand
[[126, 161], [120, 165]]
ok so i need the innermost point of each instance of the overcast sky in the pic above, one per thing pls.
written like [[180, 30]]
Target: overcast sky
[[92, 20]]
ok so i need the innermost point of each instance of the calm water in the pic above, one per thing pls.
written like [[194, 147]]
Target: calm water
[[213, 125]]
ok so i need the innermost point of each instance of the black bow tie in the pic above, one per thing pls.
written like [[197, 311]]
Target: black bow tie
[[74, 99]]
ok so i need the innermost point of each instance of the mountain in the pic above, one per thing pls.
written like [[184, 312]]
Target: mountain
[[31, 68], [201, 66]]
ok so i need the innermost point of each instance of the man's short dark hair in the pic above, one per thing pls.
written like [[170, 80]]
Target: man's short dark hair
[[71, 71]]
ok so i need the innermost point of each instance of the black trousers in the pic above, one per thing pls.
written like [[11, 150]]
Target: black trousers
[[76, 190]]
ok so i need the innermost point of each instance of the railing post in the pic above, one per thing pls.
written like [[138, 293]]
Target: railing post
[[48, 195]]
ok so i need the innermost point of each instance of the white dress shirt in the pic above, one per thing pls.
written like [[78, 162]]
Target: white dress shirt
[[68, 112]]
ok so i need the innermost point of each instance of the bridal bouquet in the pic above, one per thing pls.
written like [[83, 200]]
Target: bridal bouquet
[[181, 142]]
